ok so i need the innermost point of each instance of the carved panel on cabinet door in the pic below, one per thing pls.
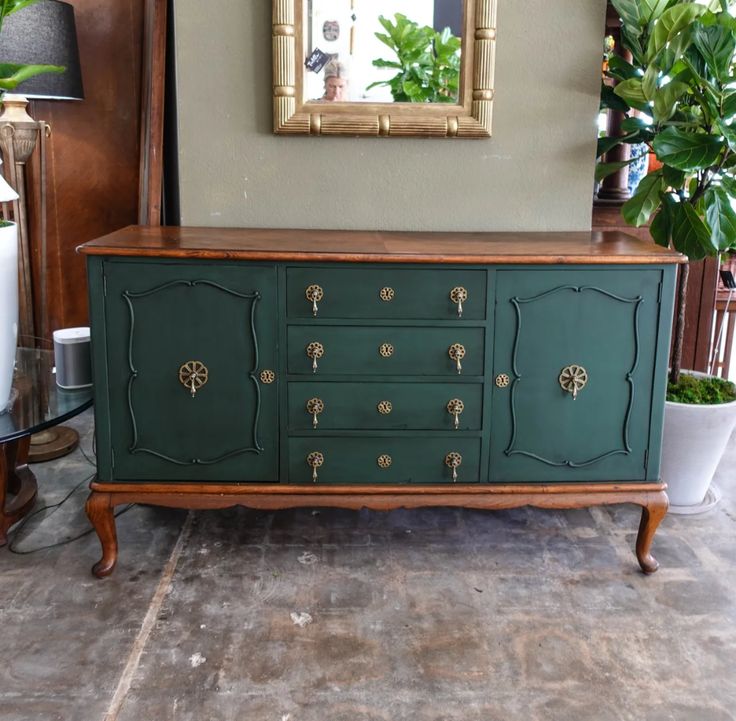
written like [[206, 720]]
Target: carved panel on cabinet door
[[135, 351], [574, 455]]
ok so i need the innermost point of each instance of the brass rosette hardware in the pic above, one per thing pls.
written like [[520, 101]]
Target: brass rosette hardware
[[455, 407], [315, 460], [193, 375], [384, 461], [453, 460], [267, 376], [502, 380], [315, 406], [573, 378], [387, 294], [314, 294], [459, 296], [457, 352], [386, 350], [315, 350], [385, 407]]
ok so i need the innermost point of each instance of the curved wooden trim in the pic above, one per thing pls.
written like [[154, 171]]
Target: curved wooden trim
[[105, 496], [470, 119]]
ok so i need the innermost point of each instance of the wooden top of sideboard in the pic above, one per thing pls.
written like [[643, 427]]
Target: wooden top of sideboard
[[268, 244]]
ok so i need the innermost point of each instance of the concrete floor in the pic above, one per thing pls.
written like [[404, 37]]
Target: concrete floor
[[330, 615]]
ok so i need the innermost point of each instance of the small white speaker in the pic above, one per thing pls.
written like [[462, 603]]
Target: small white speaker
[[72, 358]]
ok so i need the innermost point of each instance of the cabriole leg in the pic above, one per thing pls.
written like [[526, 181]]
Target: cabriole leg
[[100, 513], [652, 513]]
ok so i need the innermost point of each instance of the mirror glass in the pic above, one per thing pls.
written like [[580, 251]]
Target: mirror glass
[[382, 51]]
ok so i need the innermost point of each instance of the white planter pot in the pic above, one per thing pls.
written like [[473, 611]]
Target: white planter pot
[[694, 440], [8, 309]]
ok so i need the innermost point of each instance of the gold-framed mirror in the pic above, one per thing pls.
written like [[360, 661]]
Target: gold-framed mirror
[[345, 67]]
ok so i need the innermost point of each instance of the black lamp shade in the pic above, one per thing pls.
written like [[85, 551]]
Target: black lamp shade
[[44, 34]]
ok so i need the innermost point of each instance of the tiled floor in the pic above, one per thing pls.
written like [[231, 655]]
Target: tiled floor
[[330, 615]]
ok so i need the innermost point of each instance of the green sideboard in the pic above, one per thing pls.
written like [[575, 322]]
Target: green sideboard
[[282, 368]]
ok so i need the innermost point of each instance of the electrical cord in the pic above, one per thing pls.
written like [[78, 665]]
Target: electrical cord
[[55, 506]]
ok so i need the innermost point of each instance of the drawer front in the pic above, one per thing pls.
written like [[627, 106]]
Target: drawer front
[[161, 320], [384, 460], [352, 350], [384, 406], [401, 293]]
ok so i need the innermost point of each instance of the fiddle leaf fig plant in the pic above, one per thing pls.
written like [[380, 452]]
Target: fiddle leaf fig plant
[[12, 74], [678, 95], [427, 61]]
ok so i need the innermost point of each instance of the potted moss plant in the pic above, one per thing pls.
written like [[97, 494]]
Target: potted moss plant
[[679, 99], [11, 74]]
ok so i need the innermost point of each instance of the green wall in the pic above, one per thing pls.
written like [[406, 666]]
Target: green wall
[[535, 173]]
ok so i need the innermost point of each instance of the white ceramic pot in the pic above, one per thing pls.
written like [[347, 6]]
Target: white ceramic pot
[[694, 440], [8, 309]]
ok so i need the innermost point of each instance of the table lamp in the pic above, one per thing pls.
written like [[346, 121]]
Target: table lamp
[[42, 33]]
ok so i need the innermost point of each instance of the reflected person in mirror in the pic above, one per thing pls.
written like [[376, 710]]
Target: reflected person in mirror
[[336, 82]]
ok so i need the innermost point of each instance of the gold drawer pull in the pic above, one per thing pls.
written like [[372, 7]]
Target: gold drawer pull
[[385, 407], [457, 351], [315, 406], [314, 460], [314, 294], [459, 295], [193, 375], [387, 294], [573, 378], [314, 351], [384, 461], [453, 460], [386, 350], [502, 380], [455, 407], [267, 376]]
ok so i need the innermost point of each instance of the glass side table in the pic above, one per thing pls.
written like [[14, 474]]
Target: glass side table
[[36, 403]]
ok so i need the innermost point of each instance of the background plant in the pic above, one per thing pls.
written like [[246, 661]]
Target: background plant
[[681, 81], [12, 74], [428, 62]]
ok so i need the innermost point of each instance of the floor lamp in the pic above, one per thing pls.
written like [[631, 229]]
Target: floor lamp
[[42, 33]]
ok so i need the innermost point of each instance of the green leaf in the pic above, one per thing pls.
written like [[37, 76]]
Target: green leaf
[[649, 82], [672, 22], [620, 69], [729, 104], [631, 91], [690, 235], [729, 134], [661, 226], [603, 170], [634, 125], [605, 144], [721, 218], [609, 99], [687, 151], [630, 12], [665, 100], [717, 45], [673, 177], [12, 74], [652, 9], [638, 209], [632, 42], [729, 185]]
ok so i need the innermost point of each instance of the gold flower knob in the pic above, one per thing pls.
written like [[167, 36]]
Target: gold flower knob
[[193, 375], [384, 461], [573, 378], [314, 460], [314, 294], [385, 407], [387, 294], [315, 406], [453, 460], [459, 295], [386, 350], [457, 351], [455, 407], [315, 350]]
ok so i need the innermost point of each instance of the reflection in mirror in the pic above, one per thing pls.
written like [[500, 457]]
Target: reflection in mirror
[[386, 68], [383, 51]]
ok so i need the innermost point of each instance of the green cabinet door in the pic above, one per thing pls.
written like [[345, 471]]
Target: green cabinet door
[[166, 320], [594, 328]]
